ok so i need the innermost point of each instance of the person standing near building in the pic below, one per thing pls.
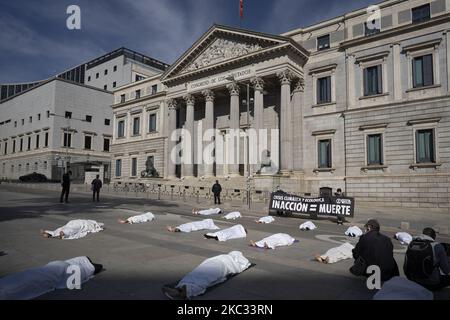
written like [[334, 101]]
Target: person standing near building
[[216, 190], [65, 186], [338, 194], [96, 186]]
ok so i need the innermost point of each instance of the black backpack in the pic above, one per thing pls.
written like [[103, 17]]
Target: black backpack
[[419, 260]]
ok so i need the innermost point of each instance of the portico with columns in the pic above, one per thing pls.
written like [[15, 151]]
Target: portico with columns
[[207, 89]]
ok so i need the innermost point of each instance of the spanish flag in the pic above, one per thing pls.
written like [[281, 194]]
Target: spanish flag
[[241, 8]]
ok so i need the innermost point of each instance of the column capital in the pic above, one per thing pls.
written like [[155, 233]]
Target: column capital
[[190, 99], [285, 76], [209, 95], [299, 85], [172, 104], [258, 83], [233, 88]]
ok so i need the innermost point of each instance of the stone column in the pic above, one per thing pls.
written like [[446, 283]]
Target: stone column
[[286, 161], [297, 118], [172, 126], [258, 116], [351, 81], [396, 52], [208, 123], [188, 138], [447, 34], [233, 167]]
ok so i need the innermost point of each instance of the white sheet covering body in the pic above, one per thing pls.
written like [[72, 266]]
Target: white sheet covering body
[[403, 237], [233, 215], [209, 212], [213, 271], [399, 288], [342, 252], [267, 219], [207, 224], [35, 282], [308, 225], [276, 240], [235, 232], [146, 217], [354, 232], [76, 229]]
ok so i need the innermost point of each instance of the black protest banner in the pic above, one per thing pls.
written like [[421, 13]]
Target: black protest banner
[[326, 206]]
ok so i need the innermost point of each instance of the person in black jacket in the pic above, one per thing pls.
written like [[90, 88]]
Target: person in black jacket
[[216, 190], [377, 249], [96, 186], [65, 186]]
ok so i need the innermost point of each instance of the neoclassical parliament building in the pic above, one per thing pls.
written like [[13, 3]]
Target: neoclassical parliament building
[[351, 102]]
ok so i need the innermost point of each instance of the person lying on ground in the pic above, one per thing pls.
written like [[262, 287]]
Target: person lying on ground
[[209, 273], [74, 229], [233, 215], [146, 217], [207, 212], [207, 224], [354, 232], [276, 240], [35, 282], [337, 254], [235, 232], [308, 225], [267, 219]]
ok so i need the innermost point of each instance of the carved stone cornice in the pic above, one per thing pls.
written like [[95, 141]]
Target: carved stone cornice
[[233, 88], [172, 104], [209, 95], [258, 83], [190, 99], [285, 76]]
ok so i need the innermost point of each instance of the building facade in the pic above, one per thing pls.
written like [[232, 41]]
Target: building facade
[[67, 121], [360, 102]]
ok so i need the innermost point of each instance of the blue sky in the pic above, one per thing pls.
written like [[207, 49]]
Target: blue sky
[[35, 42]]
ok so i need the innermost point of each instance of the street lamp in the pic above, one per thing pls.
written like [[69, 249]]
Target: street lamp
[[247, 102]]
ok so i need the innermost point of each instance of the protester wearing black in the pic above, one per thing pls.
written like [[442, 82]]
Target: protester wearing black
[[65, 187], [216, 190], [338, 194], [427, 262], [374, 248], [96, 186]]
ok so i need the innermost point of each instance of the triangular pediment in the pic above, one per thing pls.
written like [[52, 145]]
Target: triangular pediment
[[220, 45]]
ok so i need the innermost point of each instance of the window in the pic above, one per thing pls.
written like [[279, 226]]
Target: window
[[324, 90], [67, 140], [46, 140], [30, 119], [96, 75], [14, 146], [373, 81], [122, 98], [121, 129], [107, 122], [115, 68], [106, 72], [29, 144], [37, 141], [35, 166], [23, 121], [374, 149], [114, 84], [89, 78], [48, 113], [152, 123], [21, 144], [15, 124], [154, 89], [138, 94], [323, 42], [139, 78], [28, 167], [324, 148], [105, 87], [421, 14], [370, 28], [45, 165], [118, 167], [68, 115], [39, 116], [6, 148], [20, 168], [87, 142], [423, 71], [133, 167], [12, 168], [88, 118], [425, 150], [136, 124], [106, 144]]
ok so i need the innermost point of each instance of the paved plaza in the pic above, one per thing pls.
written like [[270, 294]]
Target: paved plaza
[[140, 259]]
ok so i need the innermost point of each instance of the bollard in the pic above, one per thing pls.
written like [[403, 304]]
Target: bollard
[[159, 192]]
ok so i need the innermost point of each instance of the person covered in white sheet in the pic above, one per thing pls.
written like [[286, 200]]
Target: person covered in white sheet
[[74, 229], [207, 224], [337, 254], [265, 220], [209, 273], [207, 212], [35, 282], [146, 217], [233, 215], [276, 240], [235, 232]]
